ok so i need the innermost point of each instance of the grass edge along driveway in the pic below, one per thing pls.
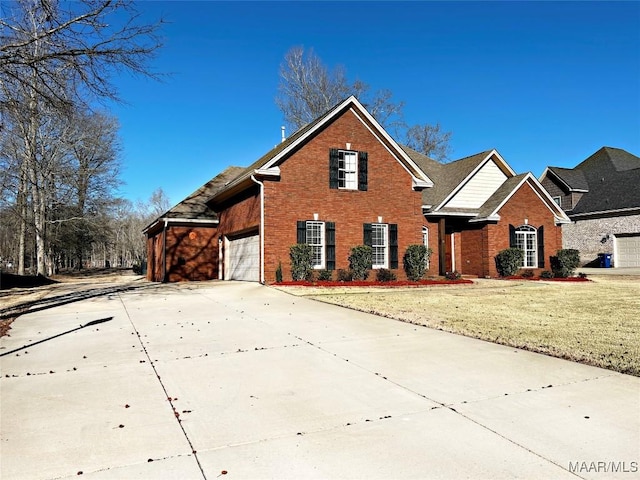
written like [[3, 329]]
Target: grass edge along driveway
[[596, 322]]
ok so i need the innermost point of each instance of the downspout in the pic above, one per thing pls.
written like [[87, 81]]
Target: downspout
[[164, 251], [261, 227]]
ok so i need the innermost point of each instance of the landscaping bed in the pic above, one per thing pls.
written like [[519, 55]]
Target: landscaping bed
[[356, 283]]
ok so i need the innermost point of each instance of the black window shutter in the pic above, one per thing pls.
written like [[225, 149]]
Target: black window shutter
[[363, 173], [330, 244], [333, 168], [302, 231], [541, 247], [512, 236], [393, 245], [368, 234]]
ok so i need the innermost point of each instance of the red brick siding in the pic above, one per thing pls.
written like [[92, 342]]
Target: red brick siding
[[303, 189], [240, 217], [154, 257], [191, 253], [524, 204], [472, 249]]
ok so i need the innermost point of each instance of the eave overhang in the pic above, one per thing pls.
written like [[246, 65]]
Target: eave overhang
[[167, 221]]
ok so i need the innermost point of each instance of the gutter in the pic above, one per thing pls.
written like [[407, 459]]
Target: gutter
[[253, 178], [164, 250]]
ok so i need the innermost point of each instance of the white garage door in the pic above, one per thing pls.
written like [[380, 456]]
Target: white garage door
[[628, 249], [242, 261]]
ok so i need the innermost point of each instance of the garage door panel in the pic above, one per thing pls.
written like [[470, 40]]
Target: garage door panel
[[243, 259], [628, 248]]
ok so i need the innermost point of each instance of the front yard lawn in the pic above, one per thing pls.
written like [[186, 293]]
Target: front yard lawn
[[597, 323]]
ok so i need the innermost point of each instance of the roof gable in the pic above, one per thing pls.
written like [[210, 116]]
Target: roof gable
[[490, 209], [268, 163], [609, 179], [474, 179]]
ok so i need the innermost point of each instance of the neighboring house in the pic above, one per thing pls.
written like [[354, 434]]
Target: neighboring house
[[602, 198], [342, 181]]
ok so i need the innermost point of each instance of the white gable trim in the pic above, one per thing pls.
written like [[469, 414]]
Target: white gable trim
[[424, 181], [539, 190], [418, 182], [492, 153]]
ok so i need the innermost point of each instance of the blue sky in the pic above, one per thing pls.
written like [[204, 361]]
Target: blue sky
[[545, 83]]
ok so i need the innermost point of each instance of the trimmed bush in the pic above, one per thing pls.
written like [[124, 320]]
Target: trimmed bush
[[360, 260], [546, 274], [415, 261], [565, 262], [385, 275], [301, 268], [528, 273], [509, 261], [325, 275], [345, 275], [455, 275], [279, 273]]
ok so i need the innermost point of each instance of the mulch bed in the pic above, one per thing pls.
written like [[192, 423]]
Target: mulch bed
[[396, 283], [554, 279]]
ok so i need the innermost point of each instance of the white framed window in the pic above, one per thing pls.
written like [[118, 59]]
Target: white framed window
[[425, 242], [347, 170], [380, 245], [315, 238], [527, 240], [558, 201]]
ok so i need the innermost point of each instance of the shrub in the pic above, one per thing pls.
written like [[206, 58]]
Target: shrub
[[385, 275], [360, 261], [325, 275], [527, 273], [279, 273], [509, 261], [301, 268], [415, 261], [455, 275], [565, 262], [345, 275], [582, 275], [546, 274]]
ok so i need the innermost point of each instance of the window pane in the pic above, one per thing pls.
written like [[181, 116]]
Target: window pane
[[379, 245], [315, 238], [347, 170]]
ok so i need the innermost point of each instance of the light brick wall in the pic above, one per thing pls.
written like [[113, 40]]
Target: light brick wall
[[590, 236]]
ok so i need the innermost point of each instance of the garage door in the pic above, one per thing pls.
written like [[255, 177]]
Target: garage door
[[242, 261], [628, 249]]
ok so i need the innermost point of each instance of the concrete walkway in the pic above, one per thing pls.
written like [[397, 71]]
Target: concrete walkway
[[237, 380]]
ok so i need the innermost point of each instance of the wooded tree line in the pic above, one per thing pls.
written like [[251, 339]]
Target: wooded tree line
[[59, 154]]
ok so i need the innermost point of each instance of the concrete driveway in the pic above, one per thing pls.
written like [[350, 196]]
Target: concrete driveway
[[237, 380]]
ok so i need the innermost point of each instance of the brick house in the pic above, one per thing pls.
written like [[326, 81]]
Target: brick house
[[342, 181], [601, 196]]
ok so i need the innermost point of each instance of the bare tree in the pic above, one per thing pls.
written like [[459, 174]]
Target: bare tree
[[55, 56], [308, 89], [430, 140], [82, 43]]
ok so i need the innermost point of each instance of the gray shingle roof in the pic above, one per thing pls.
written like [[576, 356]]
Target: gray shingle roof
[[446, 177], [195, 207], [494, 201], [613, 179], [574, 179]]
